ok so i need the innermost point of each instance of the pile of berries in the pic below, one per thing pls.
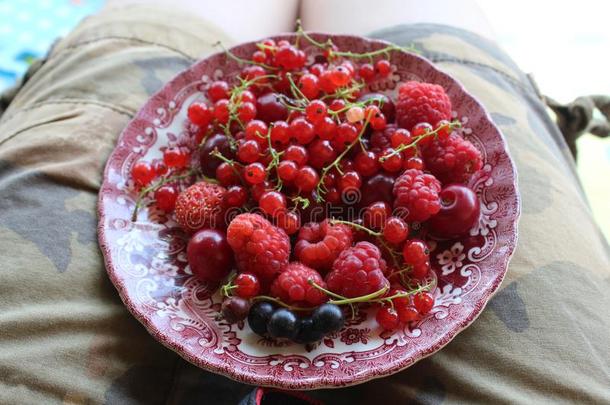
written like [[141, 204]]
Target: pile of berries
[[332, 190]]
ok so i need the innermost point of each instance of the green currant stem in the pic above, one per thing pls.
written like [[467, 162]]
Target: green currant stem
[[405, 294], [364, 298], [157, 185], [241, 60], [301, 32], [301, 200], [216, 153], [357, 226], [413, 144], [296, 92], [335, 163], [344, 92], [281, 303]]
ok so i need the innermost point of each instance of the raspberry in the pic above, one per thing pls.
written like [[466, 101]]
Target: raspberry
[[260, 248], [200, 206], [417, 193], [319, 244], [452, 159], [358, 271], [292, 285], [421, 102]]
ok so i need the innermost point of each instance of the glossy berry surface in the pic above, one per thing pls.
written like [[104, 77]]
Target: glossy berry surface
[[209, 255], [258, 317], [165, 197], [460, 211], [387, 318], [282, 324], [142, 173], [246, 285], [235, 309], [328, 318]]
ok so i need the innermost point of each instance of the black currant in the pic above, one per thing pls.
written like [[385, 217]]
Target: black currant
[[306, 332], [328, 318], [259, 315], [282, 324]]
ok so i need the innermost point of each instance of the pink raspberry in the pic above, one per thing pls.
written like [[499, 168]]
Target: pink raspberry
[[358, 271], [421, 102], [259, 247], [292, 286], [417, 194], [319, 244], [452, 159]]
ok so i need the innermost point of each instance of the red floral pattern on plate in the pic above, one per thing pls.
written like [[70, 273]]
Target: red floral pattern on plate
[[146, 259]]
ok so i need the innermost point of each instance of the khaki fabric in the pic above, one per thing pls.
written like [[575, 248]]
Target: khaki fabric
[[65, 336]]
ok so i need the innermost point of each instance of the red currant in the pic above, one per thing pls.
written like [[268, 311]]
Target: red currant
[[366, 163], [176, 157], [316, 111], [221, 111], [320, 153], [350, 180], [301, 130], [413, 163], [259, 57], [257, 190], [142, 173], [308, 84], [337, 105], [159, 167], [316, 69], [247, 96], [297, 154], [166, 196], [226, 174], [424, 302], [287, 170], [248, 151], [387, 318], [395, 230], [289, 221], [254, 173], [376, 214], [391, 161], [367, 72], [200, 114], [415, 251], [400, 137], [279, 134], [306, 179], [346, 133], [383, 68], [246, 285], [257, 130], [407, 313], [236, 196], [326, 128], [340, 76], [420, 270], [218, 90], [246, 112], [272, 203]]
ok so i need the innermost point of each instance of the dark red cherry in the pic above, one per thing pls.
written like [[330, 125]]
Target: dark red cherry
[[460, 211], [269, 108]]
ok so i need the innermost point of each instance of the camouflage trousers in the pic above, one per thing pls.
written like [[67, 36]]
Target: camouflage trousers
[[65, 336]]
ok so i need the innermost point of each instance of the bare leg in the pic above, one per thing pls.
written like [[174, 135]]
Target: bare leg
[[243, 20], [365, 16]]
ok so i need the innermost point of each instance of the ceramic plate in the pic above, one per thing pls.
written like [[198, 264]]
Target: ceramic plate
[[146, 259]]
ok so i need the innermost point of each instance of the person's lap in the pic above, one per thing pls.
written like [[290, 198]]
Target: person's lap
[[67, 338]]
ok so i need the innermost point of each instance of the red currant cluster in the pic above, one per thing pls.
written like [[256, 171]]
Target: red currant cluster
[[330, 179]]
